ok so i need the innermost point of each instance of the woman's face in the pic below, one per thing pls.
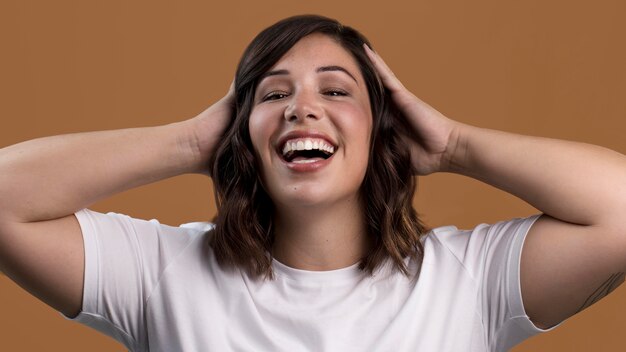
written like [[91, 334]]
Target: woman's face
[[310, 125]]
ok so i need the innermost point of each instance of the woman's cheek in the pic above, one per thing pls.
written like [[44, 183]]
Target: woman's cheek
[[262, 124], [359, 120]]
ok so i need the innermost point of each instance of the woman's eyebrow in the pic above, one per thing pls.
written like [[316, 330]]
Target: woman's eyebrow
[[336, 68], [319, 69], [273, 73]]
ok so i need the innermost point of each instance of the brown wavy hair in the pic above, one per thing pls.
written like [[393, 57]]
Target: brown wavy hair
[[243, 235]]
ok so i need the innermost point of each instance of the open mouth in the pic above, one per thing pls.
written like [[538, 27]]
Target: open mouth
[[306, 150]]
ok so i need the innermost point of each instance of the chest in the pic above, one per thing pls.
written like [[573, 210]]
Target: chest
[[235, 314]]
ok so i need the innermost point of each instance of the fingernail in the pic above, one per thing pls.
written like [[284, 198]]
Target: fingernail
[[367, 47]]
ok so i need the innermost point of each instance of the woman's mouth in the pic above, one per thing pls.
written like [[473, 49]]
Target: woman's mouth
[[306, 150]]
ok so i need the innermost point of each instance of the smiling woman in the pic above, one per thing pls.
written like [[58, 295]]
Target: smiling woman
[[316, 245], [307, 81]]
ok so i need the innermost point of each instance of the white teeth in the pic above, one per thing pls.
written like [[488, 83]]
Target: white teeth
[[304, 161], [308, 144], [287, 148]]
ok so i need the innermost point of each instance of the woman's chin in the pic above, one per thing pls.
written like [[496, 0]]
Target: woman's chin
[[305, 200], [309, 198]]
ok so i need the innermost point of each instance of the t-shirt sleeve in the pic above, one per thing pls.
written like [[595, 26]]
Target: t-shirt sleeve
[[492, 255], [124, 259]]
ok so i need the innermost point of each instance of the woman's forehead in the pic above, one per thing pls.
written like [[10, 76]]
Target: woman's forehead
[[320, 53]]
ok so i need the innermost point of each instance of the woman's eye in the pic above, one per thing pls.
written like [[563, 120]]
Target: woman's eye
[[274, 96], [336, 93]]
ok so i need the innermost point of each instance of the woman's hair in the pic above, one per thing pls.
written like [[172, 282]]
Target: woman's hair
[[243, 235]]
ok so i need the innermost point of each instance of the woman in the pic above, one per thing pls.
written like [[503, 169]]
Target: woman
[[315, 245]]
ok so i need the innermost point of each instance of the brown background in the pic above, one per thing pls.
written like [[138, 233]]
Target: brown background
[[546, 68]]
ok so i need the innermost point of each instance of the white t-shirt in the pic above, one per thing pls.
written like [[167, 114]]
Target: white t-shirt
[[155, 287]]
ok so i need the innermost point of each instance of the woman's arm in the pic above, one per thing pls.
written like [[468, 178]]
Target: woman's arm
[[51, 177], [579, 183], [573, 255], [43, 182]]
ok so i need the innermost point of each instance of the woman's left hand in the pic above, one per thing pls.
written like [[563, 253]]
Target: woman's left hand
[[434, 136]]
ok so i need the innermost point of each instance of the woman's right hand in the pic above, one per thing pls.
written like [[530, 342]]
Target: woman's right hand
[[208, 127]]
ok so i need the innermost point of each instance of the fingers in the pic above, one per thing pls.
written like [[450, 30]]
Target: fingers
[[388, 77]]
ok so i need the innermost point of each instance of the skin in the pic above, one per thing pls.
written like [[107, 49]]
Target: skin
[[319, 221]]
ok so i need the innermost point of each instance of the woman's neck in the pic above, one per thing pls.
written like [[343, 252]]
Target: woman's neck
[[321, 238]]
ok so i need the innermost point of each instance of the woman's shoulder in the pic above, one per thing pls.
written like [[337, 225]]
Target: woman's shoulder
[[443, 233], [479, 241], [202, 226]]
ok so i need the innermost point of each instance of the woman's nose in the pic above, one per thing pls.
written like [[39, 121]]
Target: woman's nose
[[303, 105]]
